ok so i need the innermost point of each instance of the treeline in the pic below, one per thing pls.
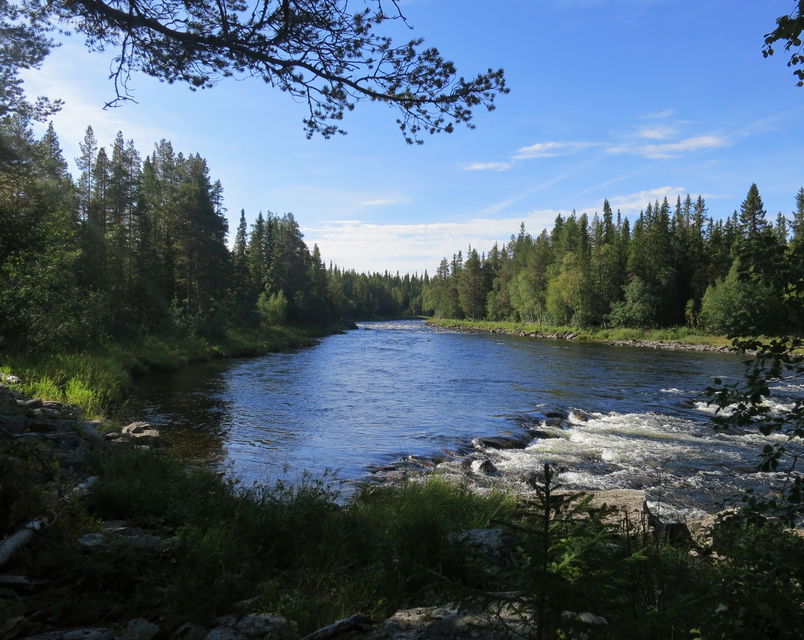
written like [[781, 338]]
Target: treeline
[[676, 265], [138, 246]]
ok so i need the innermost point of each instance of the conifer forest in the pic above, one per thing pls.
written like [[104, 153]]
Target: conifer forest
[[139, 245]]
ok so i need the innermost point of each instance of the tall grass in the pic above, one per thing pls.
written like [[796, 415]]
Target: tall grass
[[96, 379], [668, 334]]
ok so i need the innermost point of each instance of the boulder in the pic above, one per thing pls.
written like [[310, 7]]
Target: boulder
[[259, 625], [488, 541], [451, 623], [224, 633], [484, 466], [508, 441], [76, 634], [140, 433], [189, 631], [140, 629]]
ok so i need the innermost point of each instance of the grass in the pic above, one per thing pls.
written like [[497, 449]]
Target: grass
[[307, 553], [669, 334], [302, 551], [97, 379]]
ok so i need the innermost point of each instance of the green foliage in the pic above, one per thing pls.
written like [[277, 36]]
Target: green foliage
[[758, 584], [304, 550], [273, 309], [788, 31], [656, 274], [638, 309]]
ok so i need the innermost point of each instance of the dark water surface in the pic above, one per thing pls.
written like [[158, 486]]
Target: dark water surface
[[389, 390]]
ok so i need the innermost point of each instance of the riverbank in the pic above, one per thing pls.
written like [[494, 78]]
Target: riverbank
[[95, 380], [672, 338], [125, 542]]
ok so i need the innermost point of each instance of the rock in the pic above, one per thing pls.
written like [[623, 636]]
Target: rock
[[140, 629], [92, 540], [229, 620], [135, 428], [130, 536], [224, 633], [13, 424], [490, 541], [189, 631], [585, 617], [33, 403], [139, 432], [503, 442], [628, 506], [89, 431], [580, 415], [449, 623], [46, 413], [76, 634], [64, 410], [484, 466], [7, 378], [258, 625]]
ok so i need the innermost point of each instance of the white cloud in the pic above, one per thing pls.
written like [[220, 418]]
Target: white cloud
[[551, 149], [487, 166], [65, 77], [633, 203], [366, 246], [659, 132], [382, 202], [670, 149], [658, 115]]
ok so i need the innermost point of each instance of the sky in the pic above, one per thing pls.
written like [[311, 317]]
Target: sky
[[630, 100]]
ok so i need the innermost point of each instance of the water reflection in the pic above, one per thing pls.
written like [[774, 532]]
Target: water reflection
[[367, 397]]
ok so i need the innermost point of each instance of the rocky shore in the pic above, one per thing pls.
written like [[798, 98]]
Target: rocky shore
[[58, 430], [668, 345]]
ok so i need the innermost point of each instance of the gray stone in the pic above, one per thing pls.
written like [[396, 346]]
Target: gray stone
[[449, 623], [33, 403], [224, 633], [229, 620], [75, 634], [136, 427], [490, 540], [13, 424], [258, 625], [189, 631], [140, 629], [92, 540], [89, 431], [485, 466]]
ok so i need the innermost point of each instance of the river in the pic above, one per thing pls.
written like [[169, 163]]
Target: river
[[395, 391]]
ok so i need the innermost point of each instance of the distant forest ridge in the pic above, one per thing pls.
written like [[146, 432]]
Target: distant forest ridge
[[137, 246], [675, 265]]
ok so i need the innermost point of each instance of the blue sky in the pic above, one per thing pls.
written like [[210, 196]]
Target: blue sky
[[629, 100]]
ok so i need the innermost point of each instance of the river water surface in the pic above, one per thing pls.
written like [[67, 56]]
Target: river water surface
[[359, 401]]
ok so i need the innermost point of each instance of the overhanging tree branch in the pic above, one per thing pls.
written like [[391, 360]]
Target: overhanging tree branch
[[319, 51]]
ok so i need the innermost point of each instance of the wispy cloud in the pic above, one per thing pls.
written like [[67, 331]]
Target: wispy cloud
[[551, 149], [487, 166], [658, 115], [633, 203], [670, 149], [384, 202], [84, 106], [367, 246], [659, 132]]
